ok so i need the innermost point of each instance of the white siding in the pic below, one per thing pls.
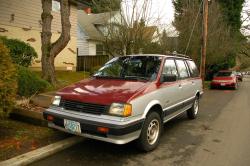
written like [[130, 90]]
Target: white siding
[[82, 43], [92, 48]]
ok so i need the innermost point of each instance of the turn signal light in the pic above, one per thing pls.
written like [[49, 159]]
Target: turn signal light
[[50, 118], [103, 129]]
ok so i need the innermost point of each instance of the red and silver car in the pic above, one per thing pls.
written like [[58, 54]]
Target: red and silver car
[[225, 78], [128, 99]]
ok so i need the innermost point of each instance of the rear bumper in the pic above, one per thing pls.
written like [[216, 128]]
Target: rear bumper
[[117, 134], [223, 84]]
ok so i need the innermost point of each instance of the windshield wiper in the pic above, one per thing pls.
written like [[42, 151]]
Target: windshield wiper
[[107, 77], [136, 78]]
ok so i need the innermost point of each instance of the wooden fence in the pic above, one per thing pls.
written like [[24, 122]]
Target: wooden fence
[[87, 62]]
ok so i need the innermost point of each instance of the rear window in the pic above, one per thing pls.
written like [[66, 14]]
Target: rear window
[[224, 74], [194, 72]]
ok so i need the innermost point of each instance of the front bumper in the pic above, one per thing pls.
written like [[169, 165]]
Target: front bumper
[[118, 133]]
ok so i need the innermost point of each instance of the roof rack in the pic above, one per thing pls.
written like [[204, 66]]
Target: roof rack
[[180, 55]]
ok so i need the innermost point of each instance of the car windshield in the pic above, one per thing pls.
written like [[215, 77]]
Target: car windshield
[[224, 74], [131, 67]]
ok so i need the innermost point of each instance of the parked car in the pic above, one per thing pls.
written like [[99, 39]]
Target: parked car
[[225, 78], [129, 98], [239, 76]]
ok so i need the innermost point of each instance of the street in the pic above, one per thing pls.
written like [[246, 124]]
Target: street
[[219, 137]]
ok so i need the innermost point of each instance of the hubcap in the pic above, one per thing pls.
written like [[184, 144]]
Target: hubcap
[[196, 106], [153, 131]]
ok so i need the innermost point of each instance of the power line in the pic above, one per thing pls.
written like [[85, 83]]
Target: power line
[[189, 40]]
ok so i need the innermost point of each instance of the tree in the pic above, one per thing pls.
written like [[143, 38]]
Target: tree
[[101, 6], [129, 31], [51, 50], [232, 12], [222, 46], [8, 82]]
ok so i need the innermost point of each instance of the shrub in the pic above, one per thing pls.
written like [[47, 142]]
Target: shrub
[[94, 69], [21, 53], [8, 83], [29, 83]]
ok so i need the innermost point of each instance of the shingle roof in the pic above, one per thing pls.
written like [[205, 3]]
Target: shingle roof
[[88, 21]]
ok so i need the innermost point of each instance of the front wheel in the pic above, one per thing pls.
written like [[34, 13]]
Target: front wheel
[[192, 112], [150, 134]]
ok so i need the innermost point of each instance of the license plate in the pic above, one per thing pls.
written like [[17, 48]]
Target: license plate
[[72, 126], [222, 84]]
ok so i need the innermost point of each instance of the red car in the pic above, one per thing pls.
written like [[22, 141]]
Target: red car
[[225, 78]]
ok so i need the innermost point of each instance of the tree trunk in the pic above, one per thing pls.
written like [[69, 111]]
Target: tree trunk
[[51, 50]]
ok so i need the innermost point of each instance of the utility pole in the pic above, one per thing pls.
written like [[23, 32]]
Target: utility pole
[[204, 41]]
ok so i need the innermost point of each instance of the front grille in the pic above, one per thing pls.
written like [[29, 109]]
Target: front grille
[[83, 107]]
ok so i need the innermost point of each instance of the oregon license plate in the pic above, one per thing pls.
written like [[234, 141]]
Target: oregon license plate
[[222, 84], [72, 126]]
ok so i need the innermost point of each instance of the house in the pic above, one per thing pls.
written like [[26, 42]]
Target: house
[[91, 31], [21, 19]]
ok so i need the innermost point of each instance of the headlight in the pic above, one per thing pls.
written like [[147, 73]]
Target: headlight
[[56, 100], [120, 109]]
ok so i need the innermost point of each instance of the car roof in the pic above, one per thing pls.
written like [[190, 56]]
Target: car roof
[[179, 56]]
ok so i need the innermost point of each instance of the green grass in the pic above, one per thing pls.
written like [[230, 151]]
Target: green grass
[[66, 78], [207, 84]]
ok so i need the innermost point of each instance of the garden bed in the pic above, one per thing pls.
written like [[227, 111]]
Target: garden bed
[[19, 137]]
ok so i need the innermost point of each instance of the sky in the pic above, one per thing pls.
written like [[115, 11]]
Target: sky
[[163, 12], [246, 17]]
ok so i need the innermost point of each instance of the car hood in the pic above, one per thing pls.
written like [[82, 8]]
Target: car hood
[[103, 91]]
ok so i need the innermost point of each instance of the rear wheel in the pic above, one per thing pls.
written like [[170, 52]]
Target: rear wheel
[[150, 134], [192, 112]]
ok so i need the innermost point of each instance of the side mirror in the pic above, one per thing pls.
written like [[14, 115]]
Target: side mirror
[[168, 78]]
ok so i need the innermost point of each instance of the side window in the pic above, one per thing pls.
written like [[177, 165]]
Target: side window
[[99, 49], [182, 69], [193, 69], [170, 68]]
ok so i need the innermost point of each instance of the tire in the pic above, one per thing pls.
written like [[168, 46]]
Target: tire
[[145, 143], [192, 112]]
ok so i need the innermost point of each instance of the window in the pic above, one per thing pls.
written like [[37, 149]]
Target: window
[[56, 7], [131, 67], [193, 69], [224, 74], [99, 49], [170, 68], [182, 69]]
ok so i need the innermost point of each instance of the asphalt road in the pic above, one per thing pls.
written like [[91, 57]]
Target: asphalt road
[[220, 136]]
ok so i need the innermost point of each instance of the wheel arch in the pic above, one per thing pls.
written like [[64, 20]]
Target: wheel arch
[[153, 106]]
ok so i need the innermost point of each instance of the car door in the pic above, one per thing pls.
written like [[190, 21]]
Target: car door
[[195, 79], [170, 91], [185, 83]]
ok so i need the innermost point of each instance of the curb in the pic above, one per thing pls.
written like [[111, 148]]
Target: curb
[[33, 117], [41, 153]]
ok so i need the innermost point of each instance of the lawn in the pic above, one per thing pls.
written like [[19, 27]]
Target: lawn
[[207, 84], [66, 78], [18, 137]]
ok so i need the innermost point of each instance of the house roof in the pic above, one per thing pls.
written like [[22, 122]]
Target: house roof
[[88, 23]]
